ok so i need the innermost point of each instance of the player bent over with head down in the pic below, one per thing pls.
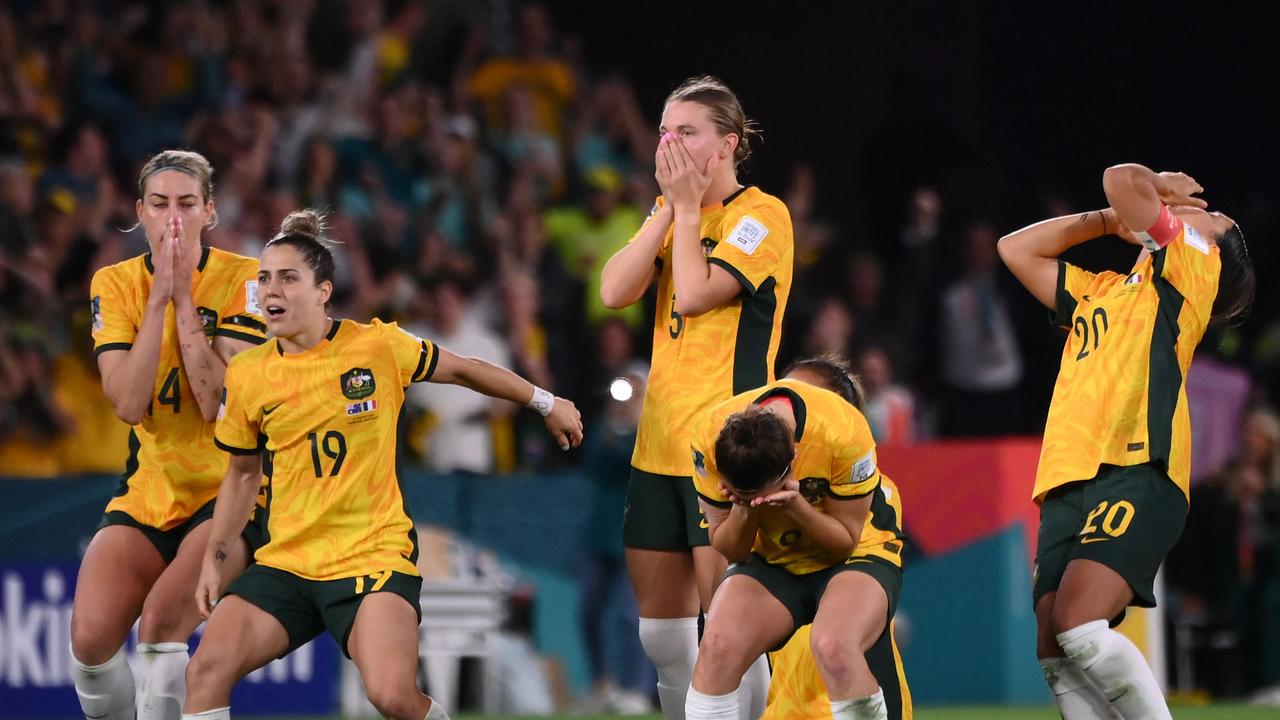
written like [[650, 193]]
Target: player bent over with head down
[[1112, 482], [797, 690], [787, 477], [315, 409]]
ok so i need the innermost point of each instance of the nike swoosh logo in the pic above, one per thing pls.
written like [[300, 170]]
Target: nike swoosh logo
[[1087, 298], [1086, 541], [268, 411]]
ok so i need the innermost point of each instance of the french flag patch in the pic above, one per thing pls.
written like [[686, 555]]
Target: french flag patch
[[362, 407]]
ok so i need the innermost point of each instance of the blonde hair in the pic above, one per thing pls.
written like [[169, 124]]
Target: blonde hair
[[725, 110], [185, 161]]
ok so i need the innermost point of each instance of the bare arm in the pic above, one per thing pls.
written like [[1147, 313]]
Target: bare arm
[[204, 364], [630, 272], [1032, 252], [732, 530], [235, 502], [700, 286], [1136, 193], [129, 376], [563, 422]]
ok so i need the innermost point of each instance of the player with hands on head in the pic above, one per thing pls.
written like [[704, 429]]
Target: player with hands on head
[[316, 407], [1114, 470]]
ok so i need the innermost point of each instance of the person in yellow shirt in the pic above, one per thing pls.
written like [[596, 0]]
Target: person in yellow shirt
[[797, 691], [1112, 482], [721, 255], [164, 326], [316, 408], [787, 477]]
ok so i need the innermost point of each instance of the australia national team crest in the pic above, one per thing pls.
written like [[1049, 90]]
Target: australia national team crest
[[208, 320], [700, 463], [357, 383], [813, 488]]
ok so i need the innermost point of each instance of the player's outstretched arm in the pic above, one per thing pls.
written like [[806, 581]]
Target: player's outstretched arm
[[235, 503], [1032, 252], [563, 420]]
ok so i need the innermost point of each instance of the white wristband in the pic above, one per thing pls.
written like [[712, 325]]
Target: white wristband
[[542, 401]]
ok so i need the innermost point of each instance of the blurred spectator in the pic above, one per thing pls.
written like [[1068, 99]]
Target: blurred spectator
[[614, 348], [864, 291], [550, 81], [587, 236], [889, 408], [610, 131], [621, 674], [915, 275], [981, 363], [459, 436], [830, 331], [1226, 565]]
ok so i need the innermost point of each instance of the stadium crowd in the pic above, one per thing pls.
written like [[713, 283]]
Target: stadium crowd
[[480, 170]]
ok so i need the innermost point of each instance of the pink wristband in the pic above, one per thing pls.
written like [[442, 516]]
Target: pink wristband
[[1166, 228]]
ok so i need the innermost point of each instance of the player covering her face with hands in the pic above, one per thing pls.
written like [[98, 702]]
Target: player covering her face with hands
[[721, 255], [1112, 482], [165, 325], [315, 409]]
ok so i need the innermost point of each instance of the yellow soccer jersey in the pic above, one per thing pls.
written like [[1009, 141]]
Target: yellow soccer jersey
[[835, 457], [173, 466], [698, 362], [1120, 398], [797, 691], [326, 419]]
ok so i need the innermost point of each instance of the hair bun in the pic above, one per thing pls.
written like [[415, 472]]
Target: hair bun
[[307, 222]]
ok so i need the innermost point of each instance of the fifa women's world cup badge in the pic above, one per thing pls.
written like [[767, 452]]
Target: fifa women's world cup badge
[[357, 383]]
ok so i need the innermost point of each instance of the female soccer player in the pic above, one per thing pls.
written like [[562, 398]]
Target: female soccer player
[[1114, 469], [721, 254], [797, 690], [786, 475], [317, 408], [164, 326]]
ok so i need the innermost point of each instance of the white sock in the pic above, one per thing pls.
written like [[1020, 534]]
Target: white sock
[[753, 691], [162, 680], [870, 707], [672, 647], [436, 712], [223, 713], [1117, 668], [711, 707], [106, 690], [1074, 693]]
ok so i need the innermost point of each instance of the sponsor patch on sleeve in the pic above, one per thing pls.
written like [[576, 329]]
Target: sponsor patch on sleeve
[[1194, 240], [748, 234], [251, 297], [864, 468]]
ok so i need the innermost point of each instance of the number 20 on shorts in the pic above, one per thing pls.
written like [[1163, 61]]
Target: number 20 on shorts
[[1113, 517]]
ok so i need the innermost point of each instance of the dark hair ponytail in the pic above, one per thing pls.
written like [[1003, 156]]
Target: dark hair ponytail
[[1236, 281], [837, 375]]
